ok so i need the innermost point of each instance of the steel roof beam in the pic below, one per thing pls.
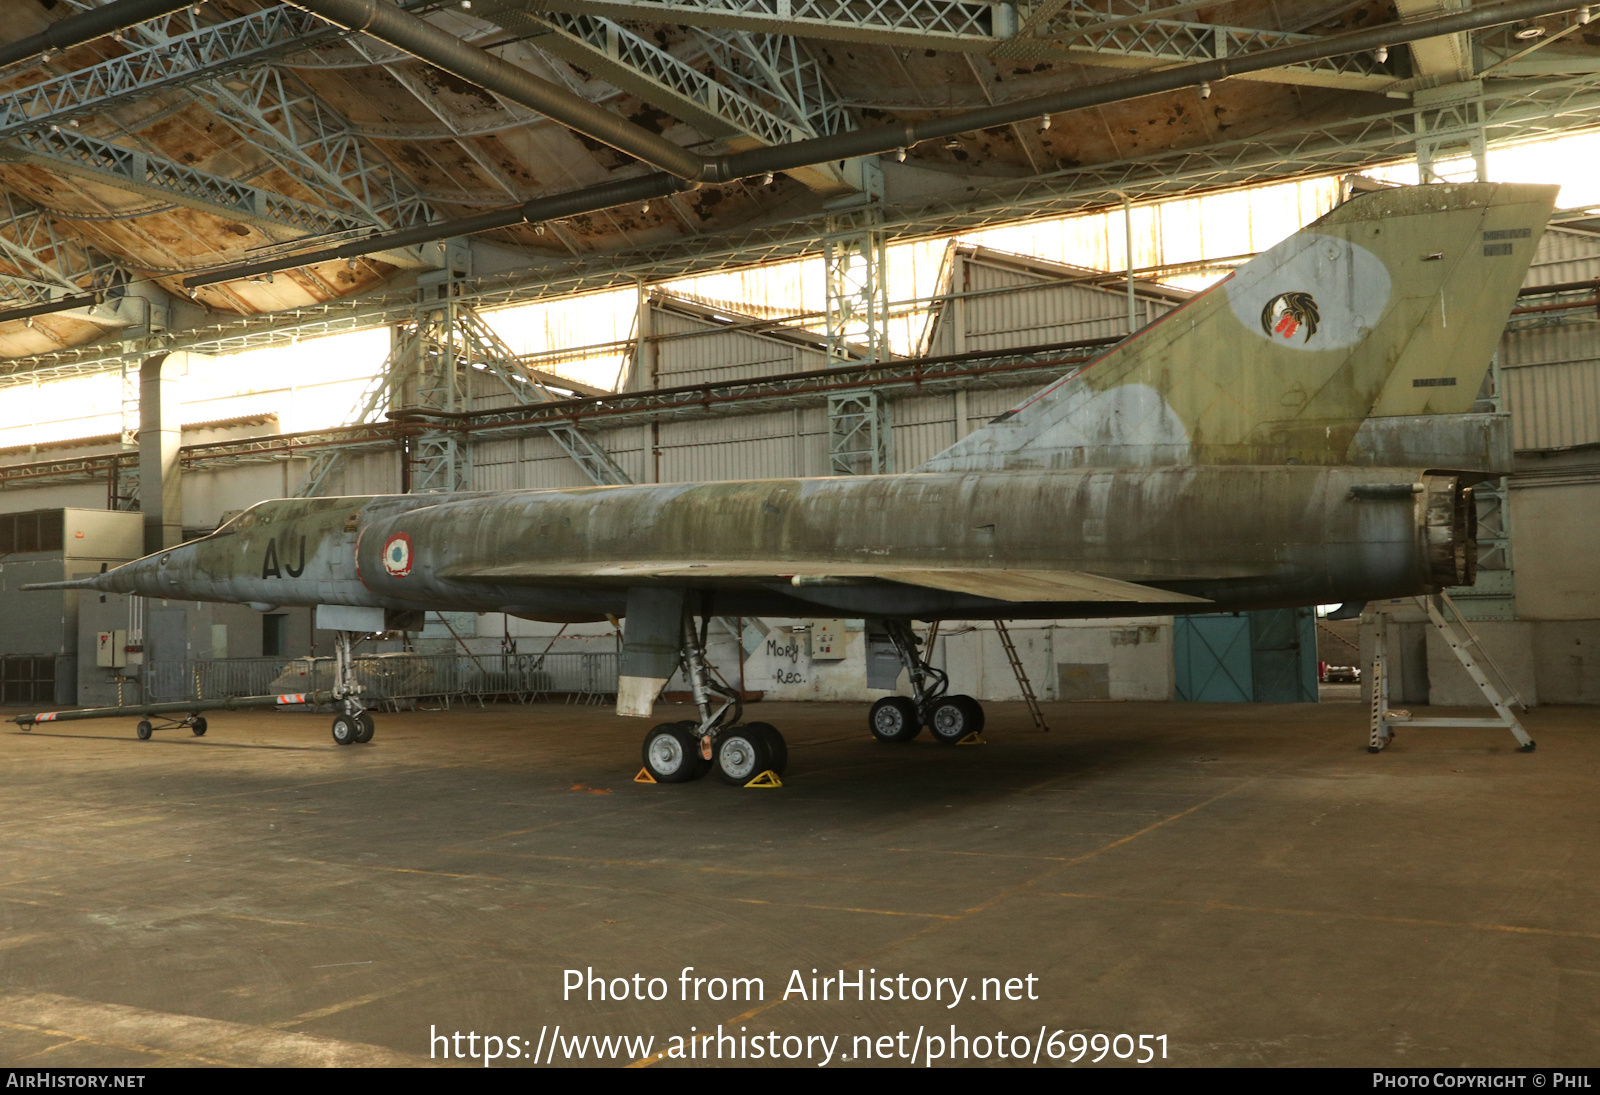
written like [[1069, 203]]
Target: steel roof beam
[[354, 183], [931, 24], [1514, 111], [281, 116], [388, 23], [48, 264], [987, 28], [68, 152], [1169, 41], [781, 95], [163, 61]]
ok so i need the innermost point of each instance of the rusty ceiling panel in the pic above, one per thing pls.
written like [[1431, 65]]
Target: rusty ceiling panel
[[465, 151]]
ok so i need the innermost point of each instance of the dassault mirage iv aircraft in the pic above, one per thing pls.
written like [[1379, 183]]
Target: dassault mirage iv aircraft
[[1298, 434]]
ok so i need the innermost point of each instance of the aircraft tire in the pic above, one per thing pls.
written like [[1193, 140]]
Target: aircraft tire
[[702, 766], [345, 729], [144, 730], [894, 719], [953, 718], [777, 748], [743, 753], [364, 727], [198, 726], [671, 753], [979, 718]]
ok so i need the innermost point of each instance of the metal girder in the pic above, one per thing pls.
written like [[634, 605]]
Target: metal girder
[[855, 267], [1075, 34], [279, 114], [485, 348], [276, 113], [942, 24], [772, 91], [859, 438], [431, 362], [69, 152], [1514, 110], [778, 70], [159, 56], [49, 264], [1170, 41], [1446, 58], [457, 133]]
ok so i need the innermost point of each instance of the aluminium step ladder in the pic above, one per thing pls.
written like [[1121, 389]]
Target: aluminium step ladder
[[1469, 651], [1022, 676]]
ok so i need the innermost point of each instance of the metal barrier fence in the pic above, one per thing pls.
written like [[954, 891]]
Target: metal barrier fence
[[586, 677]]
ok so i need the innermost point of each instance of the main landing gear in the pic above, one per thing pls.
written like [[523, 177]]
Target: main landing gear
[[739, 752], [950, 719], [352, 725]]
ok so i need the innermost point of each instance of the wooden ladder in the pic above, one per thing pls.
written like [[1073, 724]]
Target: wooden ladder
[[1022, 676]]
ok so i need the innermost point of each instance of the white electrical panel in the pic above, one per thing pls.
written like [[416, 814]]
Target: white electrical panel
[[111, 649], [827, 640]]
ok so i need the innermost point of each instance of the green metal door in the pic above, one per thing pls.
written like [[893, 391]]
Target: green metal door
[[1283, 655], [1268, 656], [1211, 656]]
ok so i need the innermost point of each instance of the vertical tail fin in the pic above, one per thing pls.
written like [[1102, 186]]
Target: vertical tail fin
[[1389, 306]]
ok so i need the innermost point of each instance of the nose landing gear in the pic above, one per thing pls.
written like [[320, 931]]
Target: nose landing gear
[[353, 724]]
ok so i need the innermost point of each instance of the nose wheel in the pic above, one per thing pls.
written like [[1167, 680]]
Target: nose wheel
[[353, 725]]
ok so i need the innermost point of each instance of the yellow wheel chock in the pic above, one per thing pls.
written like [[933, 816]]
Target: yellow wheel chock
[[769, 778], [644, 776], [973, 738]]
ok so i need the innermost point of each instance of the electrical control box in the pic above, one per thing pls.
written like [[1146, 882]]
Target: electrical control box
[[826, 638], [111, 649]]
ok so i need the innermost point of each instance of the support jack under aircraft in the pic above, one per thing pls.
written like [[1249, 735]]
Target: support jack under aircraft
[[1300, 433]]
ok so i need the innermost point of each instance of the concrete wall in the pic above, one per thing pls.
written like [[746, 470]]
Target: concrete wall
[[1070, 659], [46, 621], [1509, 642], [210, 631], [1555, 533]]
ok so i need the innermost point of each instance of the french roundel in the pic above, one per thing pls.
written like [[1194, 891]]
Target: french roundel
[[397, 555]]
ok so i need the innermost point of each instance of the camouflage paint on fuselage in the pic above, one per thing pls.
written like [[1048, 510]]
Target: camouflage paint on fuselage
[[1272, 442]]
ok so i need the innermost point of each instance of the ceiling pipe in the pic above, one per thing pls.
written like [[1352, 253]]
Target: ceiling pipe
[[554, 207], [888, 139], [62, 304], [387, 23], [86, 26]]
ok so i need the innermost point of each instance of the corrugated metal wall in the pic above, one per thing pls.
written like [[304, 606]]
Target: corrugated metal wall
[[1552, 373], [1053, 312], [690, 349], [691, 343]]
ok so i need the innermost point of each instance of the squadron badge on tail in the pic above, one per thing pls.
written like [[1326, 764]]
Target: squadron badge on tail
[[1286, 313]]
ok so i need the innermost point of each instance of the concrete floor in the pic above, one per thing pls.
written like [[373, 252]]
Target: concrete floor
[[1245, 880]]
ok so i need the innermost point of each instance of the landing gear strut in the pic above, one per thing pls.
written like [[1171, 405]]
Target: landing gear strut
[[352, 724], [950, 719], [677, 752]]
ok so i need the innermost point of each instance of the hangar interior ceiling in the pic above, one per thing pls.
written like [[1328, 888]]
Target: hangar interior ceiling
[[236, 131]]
